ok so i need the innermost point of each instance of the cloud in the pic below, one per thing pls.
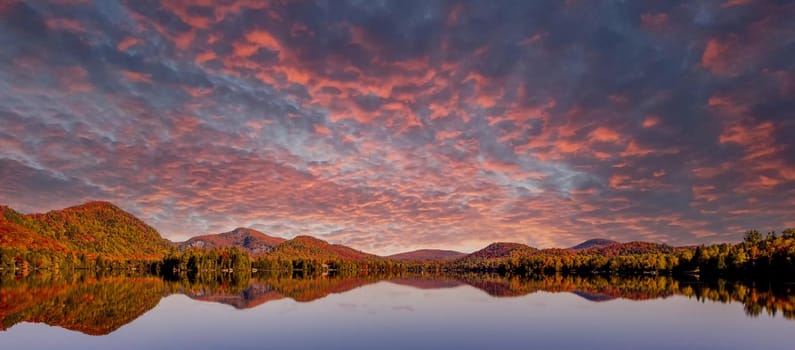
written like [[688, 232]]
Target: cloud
[[393, 126], [719, 54]]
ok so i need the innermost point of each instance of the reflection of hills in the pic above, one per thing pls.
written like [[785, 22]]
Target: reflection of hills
[[254, 295], [309, 289], [260, 290], [597, 287], [90, 306], [99, 305]]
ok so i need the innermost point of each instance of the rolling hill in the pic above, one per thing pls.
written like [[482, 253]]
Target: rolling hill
[[91, 228], [500, 250], [313, 248], [427, 255], [253, 241]]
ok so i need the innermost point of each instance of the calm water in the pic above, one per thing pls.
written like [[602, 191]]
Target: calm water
[[392, 312]]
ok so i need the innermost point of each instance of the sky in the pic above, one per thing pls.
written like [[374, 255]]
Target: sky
[[395, 125]]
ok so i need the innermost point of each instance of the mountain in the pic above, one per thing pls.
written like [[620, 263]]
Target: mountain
[[592, 243], [426, 255], [253, 241], [91, 228], [313, 248], [501, 250]]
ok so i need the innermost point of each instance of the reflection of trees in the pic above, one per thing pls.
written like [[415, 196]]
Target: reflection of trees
[[89, 304], [627, 287], [95, 303], [757, 297]]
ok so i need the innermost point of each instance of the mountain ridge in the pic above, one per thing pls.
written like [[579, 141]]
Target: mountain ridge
[[100, 227]]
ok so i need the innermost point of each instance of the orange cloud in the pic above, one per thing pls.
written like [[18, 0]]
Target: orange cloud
[[758, 140], [205, 56], [722, 56], [137, 77], [184, 40], [627, 183], [127, 43], [602, 134], [264, 39], [745, 135], [322, 130], [651, 121], [767, 181], [634, 149], [444, 135], [244, 49]]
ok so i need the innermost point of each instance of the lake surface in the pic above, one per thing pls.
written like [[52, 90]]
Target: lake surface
[[467, 311]]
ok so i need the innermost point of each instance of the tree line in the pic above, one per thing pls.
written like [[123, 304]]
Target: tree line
[[769, 255], [772, 255]]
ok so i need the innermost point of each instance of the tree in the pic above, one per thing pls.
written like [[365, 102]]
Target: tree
[[752, 236]]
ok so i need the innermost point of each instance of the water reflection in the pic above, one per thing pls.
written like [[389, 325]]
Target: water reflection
[[98, 304]]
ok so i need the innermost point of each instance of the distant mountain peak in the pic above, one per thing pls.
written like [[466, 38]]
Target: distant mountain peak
[[245, 230], [593, 243], [245, 238]]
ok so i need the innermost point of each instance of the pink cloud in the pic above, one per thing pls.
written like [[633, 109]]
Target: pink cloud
[[127, 43], [136, 77]]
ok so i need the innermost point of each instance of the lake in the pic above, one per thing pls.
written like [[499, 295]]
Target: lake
[[462, 311]]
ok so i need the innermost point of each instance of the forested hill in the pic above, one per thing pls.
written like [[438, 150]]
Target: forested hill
[[253, 241], [94, 228], [501, 250], [307, 247]]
